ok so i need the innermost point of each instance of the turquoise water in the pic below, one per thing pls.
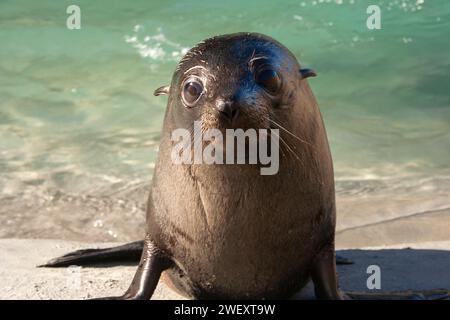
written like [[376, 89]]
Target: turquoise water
[[79, 126]]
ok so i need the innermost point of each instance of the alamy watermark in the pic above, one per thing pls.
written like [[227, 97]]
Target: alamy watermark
[[73, 21], [374, 280], [237, 147], [374, 20], [73, 279]]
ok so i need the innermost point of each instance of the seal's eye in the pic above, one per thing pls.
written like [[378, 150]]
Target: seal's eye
[[192, 91], [268, 79]]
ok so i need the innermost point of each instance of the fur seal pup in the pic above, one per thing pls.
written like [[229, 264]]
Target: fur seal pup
[[226, 231]]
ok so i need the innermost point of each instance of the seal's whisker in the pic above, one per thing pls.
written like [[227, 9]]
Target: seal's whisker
[[291, 151], [279, 146], [289, 132], [284, 144]]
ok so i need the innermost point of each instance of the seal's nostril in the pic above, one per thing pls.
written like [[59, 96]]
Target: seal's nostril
[[228, 109]]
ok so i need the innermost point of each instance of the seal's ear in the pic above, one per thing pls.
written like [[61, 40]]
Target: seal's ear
[[306, 73], [164, 90]]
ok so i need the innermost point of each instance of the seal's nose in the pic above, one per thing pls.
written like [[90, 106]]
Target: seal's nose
[[228, 109]]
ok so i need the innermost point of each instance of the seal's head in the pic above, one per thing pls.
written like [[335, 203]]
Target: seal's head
[[239, 80]]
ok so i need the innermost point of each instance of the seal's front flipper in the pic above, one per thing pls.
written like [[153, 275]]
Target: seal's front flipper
[[130, 252], [153, 263], [436, 294], [324, 277]]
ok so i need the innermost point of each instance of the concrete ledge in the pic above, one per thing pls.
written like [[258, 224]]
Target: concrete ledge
[[425, 266]]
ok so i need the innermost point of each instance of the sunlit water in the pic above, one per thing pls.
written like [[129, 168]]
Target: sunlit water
[[79, 126]]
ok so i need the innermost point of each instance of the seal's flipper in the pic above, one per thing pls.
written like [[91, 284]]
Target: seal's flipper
[[342, 260], [324, 277], [436, 294], [130, 252], [153, 263]]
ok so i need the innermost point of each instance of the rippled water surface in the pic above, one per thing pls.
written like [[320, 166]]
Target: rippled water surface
[[79, 127]]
